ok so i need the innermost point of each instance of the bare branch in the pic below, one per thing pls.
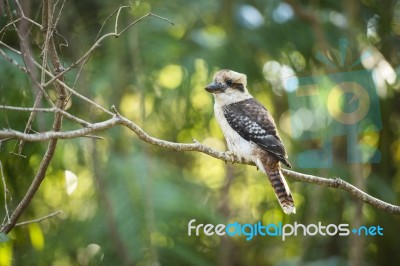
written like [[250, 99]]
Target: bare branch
[[29, 72], [25, 70], [32, 116], [47, 110], [50, 135], [105, 21], [11, 48], [5, 189], [117, 18], [49, 52], [23, 33], [12, 23], [14, 153], [27, 109], [22, 14], [59, 13], [39, 219], [26, 54], [23, 17], [139, 19], [58, 117], [97, 44], [12, 61], [341, 184], [73, 91], [196, 146]]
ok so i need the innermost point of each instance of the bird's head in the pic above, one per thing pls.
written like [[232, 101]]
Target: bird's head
[[228, 87]]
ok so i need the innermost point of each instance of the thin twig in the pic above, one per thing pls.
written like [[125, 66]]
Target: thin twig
[[26, 57], [5, 192], [32, 116], [13, 62], [13, 22], [49, 51], [140, 19], [49, 154], [22, 32], [22, 14], [39, 219], [14, 153], [73, 91], [47, 110], [97, 44], [105, 22], [341, 184], [117, 18], [59, 13], [11, 48], [25, 70], [94, 137], [27, 109], [49, 135]]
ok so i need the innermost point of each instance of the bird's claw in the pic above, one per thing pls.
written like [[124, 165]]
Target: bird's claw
[[231, 155]]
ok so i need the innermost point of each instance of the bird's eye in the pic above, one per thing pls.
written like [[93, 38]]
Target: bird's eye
[[229, 82]]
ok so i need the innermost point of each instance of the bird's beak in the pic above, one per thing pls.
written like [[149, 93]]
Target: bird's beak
[[215, 87]]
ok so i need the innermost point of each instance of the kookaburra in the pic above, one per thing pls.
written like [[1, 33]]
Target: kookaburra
[[250, 131]]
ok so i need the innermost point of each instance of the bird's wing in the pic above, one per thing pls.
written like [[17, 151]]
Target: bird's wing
[[254, 123]]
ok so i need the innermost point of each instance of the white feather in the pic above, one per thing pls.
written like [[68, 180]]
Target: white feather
[[230, 96], [236, 144]]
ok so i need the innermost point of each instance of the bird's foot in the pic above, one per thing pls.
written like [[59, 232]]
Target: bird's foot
[[233, 157]]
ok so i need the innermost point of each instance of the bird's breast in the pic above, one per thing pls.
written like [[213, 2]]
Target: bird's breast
[[238, 145]]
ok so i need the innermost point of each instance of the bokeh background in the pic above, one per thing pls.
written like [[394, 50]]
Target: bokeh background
[[126, 202]]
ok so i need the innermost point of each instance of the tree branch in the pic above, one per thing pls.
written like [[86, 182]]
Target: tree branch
[[58, 117], [343, 185], [39, 219], [98, 41], [49, 51], [6, 191], [117, 119], [47, 110], [55, 78]]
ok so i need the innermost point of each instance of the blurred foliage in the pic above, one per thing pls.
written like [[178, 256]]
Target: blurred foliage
[[125, 201]]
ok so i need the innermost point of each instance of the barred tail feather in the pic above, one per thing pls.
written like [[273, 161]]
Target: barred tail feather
[[282, 191]]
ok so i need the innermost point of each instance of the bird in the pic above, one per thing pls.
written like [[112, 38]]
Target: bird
[[250, 131]]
